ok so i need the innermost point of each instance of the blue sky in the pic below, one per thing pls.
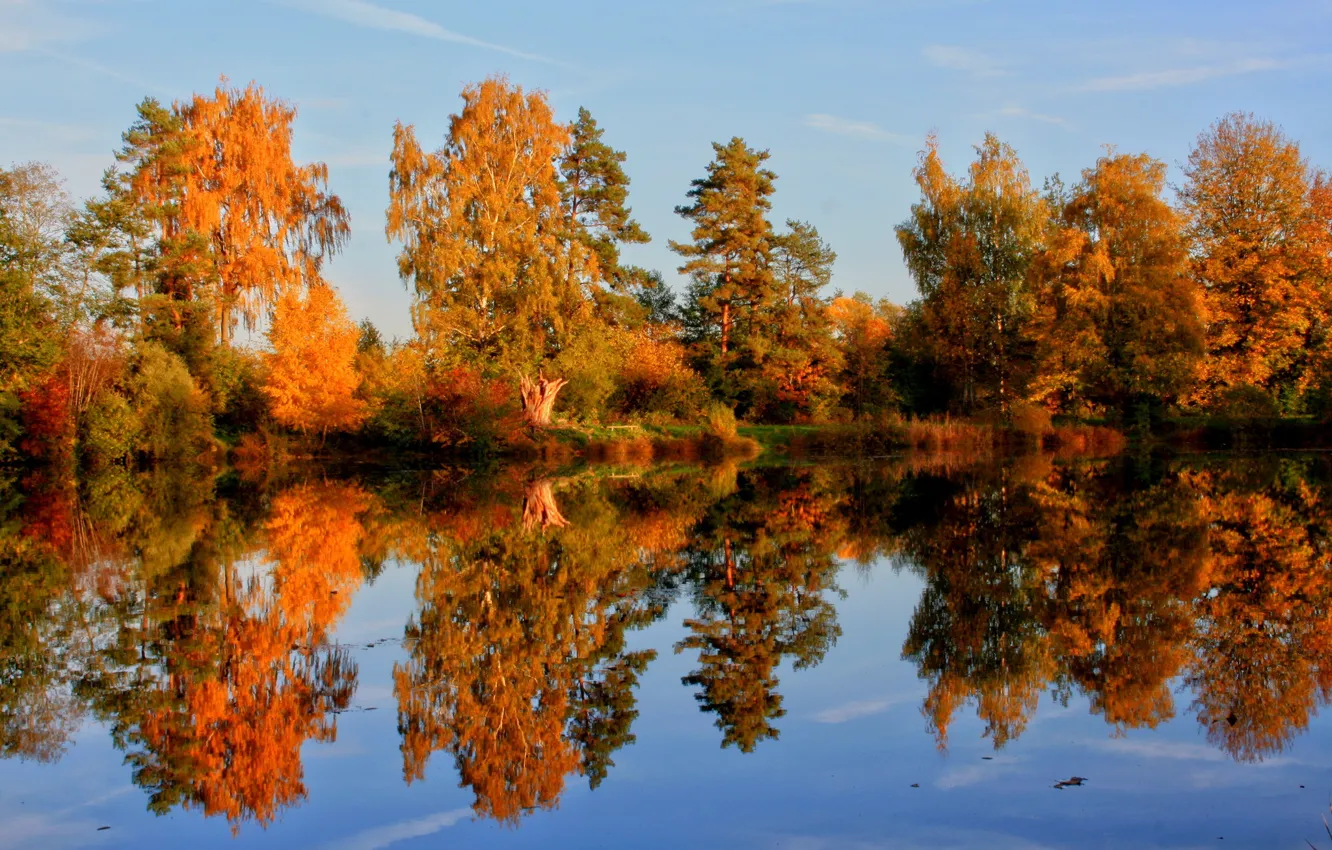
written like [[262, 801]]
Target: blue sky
[[842, 92]]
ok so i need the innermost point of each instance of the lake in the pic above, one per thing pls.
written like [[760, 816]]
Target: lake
[[925, 651]]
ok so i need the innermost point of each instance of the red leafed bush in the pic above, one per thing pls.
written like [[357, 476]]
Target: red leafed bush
[[464, 407], [48, 418]]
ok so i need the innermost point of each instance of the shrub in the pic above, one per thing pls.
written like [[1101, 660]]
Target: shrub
[[109, 431], [464, 409], [175, 418], [590, 363], [720, 421], [655, 380]]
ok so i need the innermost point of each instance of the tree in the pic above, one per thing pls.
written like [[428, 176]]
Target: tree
[[1247, 195], [312, 376], [729, 258], [968, 245], [37, 213], [595, 192], [1119, 318], [798, 361], [863, 329], [28, 336], [486, 242], [234, 216]]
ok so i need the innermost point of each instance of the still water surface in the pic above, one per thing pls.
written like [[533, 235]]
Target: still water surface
[[899, 654]]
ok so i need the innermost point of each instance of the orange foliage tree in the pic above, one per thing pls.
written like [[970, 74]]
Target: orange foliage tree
[[312, 376], [235, 218], [1119, 321], [1260, 254], [864, 328]]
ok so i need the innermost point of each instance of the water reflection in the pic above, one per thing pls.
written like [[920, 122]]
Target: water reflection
[[194, 616]]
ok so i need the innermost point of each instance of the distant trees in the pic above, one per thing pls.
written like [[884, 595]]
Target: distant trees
[[1103, 299]]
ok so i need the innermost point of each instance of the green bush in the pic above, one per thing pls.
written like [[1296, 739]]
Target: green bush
[[176, 421], [110, 430], [590, 363]]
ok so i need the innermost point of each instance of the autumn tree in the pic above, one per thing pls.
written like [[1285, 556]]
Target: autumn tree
[[863, 328], [539, 684], [974, 635], [1259, 255], [968, 245], [729, 257], [312, 376], [1118, 322], [797, 358], [220, 672], [29, 338], [235, 219], [1262, 658], [486, 242]]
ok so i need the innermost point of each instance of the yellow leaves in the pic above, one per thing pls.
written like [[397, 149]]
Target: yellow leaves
[[312, 378], [483, 227]]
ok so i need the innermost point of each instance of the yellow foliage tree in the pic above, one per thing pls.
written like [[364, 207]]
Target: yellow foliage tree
[[312, 376], [1260, 254], [486, 237]]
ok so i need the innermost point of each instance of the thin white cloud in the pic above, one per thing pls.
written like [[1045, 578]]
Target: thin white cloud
[[384, 836], [1020, 112], [855, 129], [370, 16], [32, 25], [987, 771], [104, 71], [859, 708], [1181, 751], [955, 58], [53, 130], [1172, 77]]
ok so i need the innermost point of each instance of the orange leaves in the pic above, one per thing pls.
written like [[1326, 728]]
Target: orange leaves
[[270, 222], [1252, 202], [312, 377], [48, 418], [235, 217], [1118, 318]]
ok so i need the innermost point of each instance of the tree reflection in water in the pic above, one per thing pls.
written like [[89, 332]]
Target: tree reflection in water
[[194, 616]]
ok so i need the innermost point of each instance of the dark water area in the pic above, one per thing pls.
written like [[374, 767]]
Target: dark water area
[[926, 652]]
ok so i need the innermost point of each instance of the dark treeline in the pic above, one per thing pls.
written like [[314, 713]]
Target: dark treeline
[[193, 614], [1104, 298]]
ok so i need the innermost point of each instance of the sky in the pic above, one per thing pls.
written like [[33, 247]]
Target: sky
[[842, 93]]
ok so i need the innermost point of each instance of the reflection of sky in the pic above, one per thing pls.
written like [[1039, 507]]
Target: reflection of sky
[[852, 743]]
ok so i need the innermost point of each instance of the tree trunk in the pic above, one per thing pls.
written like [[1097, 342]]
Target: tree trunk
[[726, 327], [539, 507], [539, 399]]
